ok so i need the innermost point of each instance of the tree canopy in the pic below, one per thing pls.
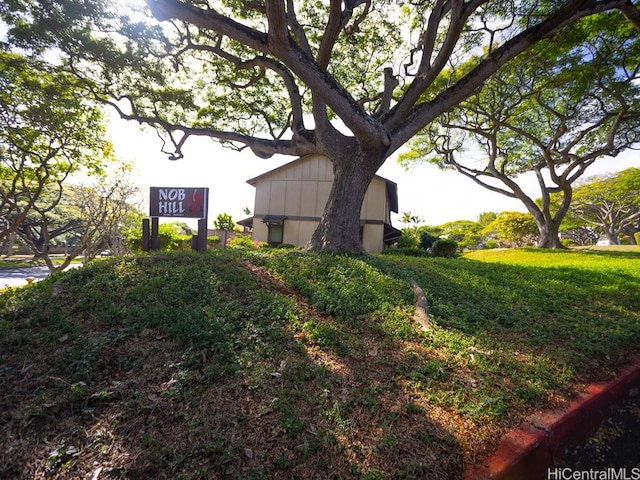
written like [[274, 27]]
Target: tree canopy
[[48, 130], [224, 221], [516, 228], [553, 111], [353, 80]]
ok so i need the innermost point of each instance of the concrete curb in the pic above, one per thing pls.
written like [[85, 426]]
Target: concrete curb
[[545, 438]]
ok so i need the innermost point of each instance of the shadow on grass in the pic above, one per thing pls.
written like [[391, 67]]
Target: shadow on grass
[[265, 365], [187, 366], [569, 313]]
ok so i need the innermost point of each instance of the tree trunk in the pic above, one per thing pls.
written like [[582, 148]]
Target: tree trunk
[[612, 234], [549, 236], [339, 227], [548, 225]]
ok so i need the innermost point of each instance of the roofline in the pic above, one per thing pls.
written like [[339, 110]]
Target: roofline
[[253, 181]]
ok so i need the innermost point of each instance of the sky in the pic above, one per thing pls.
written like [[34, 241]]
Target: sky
[[434, 195]]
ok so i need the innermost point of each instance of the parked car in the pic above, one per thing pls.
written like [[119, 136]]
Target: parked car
[[605, 241]]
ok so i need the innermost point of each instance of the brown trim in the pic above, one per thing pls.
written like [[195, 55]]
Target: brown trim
[[294, 218]]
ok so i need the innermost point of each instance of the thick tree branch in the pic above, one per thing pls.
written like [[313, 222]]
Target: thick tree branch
[[164, 10], [367, 130], [632, 13], [429, 69], [263, 148], [404, 127]]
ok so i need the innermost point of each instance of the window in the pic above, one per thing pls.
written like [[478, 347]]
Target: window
[[275, 233], [275, 224]]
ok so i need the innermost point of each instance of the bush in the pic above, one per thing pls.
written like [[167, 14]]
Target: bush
[[427, 241], [409, 252], [444, 248], [244, 242], [406, 241], [490, 244]]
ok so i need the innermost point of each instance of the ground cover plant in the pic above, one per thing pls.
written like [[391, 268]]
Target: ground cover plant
[[286, 364]]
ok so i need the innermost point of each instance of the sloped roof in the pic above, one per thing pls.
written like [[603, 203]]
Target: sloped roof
[[392, 187]]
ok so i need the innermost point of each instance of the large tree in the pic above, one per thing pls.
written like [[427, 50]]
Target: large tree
[[553, 111], [48, 131], [353, 80], [611, 203]]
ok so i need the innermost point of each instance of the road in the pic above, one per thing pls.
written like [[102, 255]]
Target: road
[[17, 277]]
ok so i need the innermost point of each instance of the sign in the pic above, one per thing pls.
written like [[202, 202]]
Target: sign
[[178, 202]]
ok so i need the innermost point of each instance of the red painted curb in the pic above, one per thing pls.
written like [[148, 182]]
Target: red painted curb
[[545, 438]]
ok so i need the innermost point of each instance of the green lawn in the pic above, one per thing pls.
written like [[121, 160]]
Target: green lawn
[[285, 364]]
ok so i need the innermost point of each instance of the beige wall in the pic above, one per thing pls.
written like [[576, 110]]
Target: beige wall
[[301, 189]]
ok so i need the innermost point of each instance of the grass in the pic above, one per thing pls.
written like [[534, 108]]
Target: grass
[[282, 364]]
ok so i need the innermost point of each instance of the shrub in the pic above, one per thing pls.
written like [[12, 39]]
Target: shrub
[[168, 236], [427, 241], [238, 241], [444, 248], [409, 252], [490, 244], [406, 241]]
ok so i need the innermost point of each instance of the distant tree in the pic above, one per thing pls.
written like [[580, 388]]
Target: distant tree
[[353, 80], [224, 222], [486, 218], [108, 212], [516, 228], [583, 235], [409, 218], [465, 233], [87, 219], [610, 202], [412, 221], [48, 131], [553, 111]]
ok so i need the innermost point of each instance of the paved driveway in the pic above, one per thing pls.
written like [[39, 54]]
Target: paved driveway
[[13, 277]]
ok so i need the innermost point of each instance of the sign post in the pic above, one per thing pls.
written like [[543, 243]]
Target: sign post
[[177, 202], [146, 235]]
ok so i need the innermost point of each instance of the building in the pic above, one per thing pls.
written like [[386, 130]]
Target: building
[[290, 200]]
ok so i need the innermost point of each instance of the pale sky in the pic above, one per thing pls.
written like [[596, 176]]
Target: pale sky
[[436, 196]]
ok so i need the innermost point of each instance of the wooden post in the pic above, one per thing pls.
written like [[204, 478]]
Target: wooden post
[[155, 239], [202, 235], [146, 235]]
